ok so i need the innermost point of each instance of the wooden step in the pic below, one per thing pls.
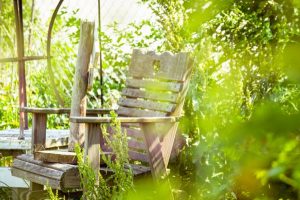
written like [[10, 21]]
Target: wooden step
[[60, 156], [56, 156], [57, 175]]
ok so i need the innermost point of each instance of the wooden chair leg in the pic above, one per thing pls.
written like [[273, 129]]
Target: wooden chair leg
[[92, 146], [168, 141], [156, 160], [39, 126]]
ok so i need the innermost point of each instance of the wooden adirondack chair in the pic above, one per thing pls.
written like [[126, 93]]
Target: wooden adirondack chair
[[149, 110]]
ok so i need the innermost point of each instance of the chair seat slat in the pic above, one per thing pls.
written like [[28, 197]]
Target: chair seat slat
[[136, 144], [134, 155]]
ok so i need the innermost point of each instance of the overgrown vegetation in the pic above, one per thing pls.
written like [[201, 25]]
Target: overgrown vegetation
[[114, 184], [52, 195]]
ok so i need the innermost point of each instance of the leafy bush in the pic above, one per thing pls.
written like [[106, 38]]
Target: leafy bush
[[240, 67], [120, 182]]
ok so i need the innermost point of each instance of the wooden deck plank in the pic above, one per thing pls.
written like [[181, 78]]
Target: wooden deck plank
[[55, 184], [9, 139], [8, 180]]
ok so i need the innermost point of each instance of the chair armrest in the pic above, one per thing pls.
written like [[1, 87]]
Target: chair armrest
[[62, 110], [96, 120]]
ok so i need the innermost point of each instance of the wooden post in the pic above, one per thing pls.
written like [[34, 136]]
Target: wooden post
[[38, 140], [92, 146], [78, 107], [38, 137], [21, 65]]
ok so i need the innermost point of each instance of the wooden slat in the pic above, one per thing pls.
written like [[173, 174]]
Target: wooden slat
[[56, 166], [151, 105], [130, 131], [63, 110], [134, 155], [132, 125], [154, 85], [173, 66], [158, 96], [55, 184], [134, 133], [132, 112], [97, 120], [56, 156], [56, 142], [136, 144], [166, 66], [37, 169], [181, 99], [136, 169]]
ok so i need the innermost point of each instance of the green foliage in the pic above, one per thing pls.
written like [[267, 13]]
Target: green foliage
[[242, 51], [5, 193], [51, 195], [87, 175], [240, 69], [171, 16], [8, 108], [122, 178], [6, 161], [116, 185]]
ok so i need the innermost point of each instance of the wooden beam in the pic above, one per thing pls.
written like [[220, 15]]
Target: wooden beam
[[25, 58], [63, 110], [78, 105], [21, 65]]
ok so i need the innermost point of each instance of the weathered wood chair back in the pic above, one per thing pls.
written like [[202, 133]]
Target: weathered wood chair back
[[156, 87]]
